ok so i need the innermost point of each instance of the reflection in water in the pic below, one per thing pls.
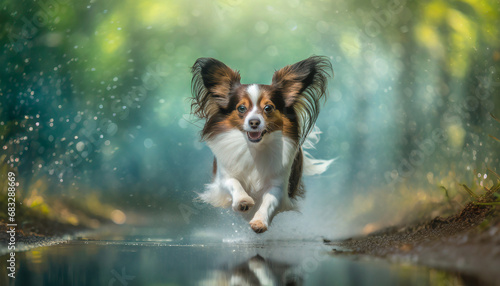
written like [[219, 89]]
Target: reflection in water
[[256, 271], [150, 261]]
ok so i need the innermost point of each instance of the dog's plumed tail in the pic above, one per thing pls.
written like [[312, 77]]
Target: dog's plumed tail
[[313, 166]]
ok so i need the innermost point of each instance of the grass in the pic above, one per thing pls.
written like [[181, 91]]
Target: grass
[[493, 190]]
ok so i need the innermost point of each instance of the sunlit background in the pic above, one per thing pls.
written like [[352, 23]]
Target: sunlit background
[[95, 117]]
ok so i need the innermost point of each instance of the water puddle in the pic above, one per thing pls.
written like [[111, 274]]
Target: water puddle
[[139, 260]]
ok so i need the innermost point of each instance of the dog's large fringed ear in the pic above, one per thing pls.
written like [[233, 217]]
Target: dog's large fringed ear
[[212, 81], [303, 85]]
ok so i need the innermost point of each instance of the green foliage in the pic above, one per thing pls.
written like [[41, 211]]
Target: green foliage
[[95, 98]]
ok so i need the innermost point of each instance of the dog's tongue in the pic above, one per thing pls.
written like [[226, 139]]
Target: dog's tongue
[[254, 135]]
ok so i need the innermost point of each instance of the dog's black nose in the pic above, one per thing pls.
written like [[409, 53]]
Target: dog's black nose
[[254, 123]]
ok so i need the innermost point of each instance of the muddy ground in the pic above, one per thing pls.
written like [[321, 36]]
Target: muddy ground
[[42, 232], [467, 242]]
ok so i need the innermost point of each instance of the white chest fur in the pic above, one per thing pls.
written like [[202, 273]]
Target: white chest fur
[[255, 165]]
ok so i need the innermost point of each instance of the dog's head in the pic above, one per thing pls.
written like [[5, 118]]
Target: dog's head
[[290, 104]]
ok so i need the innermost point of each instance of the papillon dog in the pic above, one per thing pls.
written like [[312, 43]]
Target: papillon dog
[[257, 133]]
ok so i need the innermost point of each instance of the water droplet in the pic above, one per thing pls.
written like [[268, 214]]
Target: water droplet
[[80, 146]]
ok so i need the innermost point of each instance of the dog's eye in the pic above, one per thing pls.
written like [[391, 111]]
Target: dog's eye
[[268, 108], [242, 109]]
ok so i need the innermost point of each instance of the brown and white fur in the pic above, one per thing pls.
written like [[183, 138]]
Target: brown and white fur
[[257, 132]]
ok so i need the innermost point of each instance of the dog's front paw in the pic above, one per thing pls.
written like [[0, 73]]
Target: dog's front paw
[[258, 226], [243, 205]]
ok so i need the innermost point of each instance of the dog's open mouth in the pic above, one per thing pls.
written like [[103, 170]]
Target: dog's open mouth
[[255, 136]]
